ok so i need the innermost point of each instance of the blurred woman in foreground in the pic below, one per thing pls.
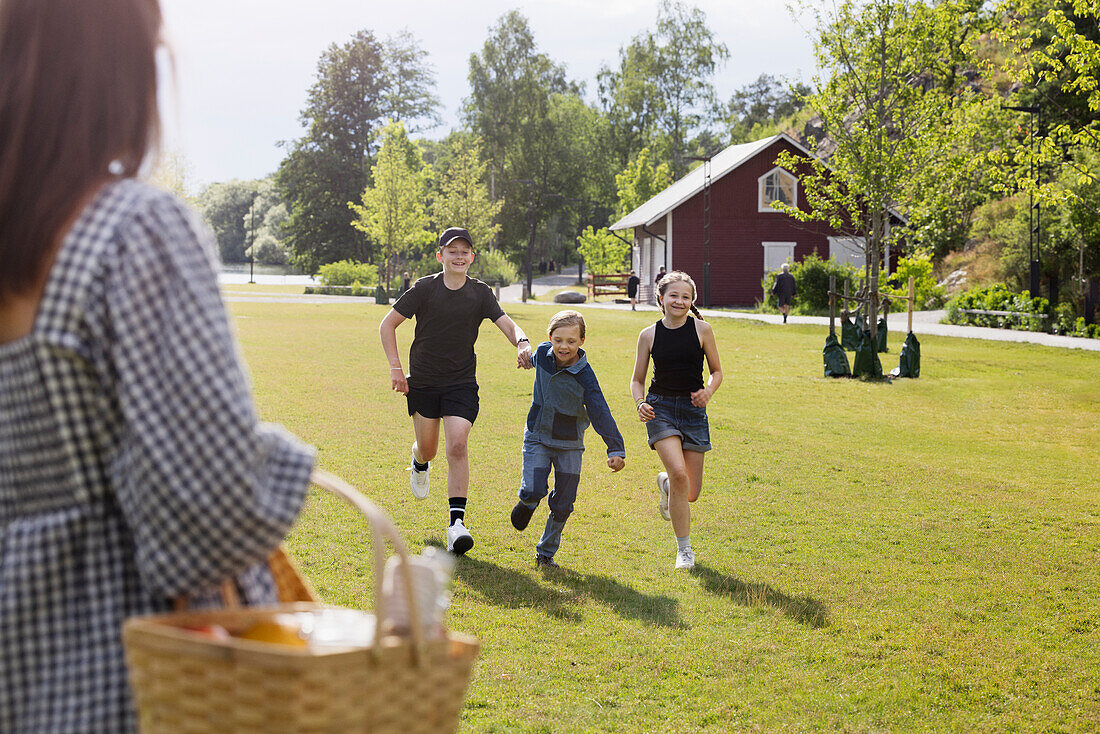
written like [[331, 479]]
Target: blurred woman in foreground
[[132, 467]]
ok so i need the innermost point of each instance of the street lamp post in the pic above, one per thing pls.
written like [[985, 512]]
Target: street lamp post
[[252, 240], [1034, 232], [706, 159]]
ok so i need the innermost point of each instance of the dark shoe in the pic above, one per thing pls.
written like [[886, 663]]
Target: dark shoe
[[542, 561], [521, 515]]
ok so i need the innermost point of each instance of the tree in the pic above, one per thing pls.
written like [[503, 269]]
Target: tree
[[511, 85], [662, 93], [1054, 55], [392, 213], [602, 251], [641, 181], [755, 110], [359, 86], [263, 223], [884, 104], [463, 197], [224, 206], [173, 173]]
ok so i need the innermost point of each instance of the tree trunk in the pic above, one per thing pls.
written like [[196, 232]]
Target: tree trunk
[[874, 252]]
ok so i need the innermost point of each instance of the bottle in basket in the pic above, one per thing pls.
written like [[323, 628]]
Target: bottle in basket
[[431, 578]]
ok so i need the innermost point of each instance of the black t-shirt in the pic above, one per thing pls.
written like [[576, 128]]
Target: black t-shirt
[[447, 324], [677, 360]]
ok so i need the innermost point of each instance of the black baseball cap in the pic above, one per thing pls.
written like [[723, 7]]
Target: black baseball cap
[[454, 233]]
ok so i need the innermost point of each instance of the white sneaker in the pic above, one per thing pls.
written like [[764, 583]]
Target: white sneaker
[[685, 559], [459, 539], [662, 503], [418, 481]]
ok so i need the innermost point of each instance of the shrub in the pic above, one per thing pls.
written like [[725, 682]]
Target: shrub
[[355, 289], [997, 297], [928, 295], [348, 272], [492, 267], [811, 276]]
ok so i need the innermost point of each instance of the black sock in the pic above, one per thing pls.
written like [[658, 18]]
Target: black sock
[[418, 466], [458, 509]]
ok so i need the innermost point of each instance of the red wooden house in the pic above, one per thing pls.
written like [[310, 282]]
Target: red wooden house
[[748, 238]]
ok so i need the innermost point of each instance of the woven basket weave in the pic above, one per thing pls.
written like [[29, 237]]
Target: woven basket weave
[[188, 683]]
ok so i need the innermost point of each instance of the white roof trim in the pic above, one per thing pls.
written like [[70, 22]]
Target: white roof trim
[[691, 184]]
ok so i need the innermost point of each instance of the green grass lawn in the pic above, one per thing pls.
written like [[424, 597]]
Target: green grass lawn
[[916, 556], [248, 288]]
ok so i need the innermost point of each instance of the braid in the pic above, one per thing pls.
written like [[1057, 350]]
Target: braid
[[696, 313]]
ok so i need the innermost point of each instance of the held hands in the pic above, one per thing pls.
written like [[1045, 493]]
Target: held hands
[[523, 356], [700, 398], [398, 381], [616, 462]]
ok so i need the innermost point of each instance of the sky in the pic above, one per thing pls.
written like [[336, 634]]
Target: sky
[[242, 67]]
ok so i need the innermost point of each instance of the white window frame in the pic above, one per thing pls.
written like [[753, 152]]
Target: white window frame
[[761, 184]]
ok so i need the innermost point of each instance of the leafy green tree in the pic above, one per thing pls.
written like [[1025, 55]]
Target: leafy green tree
[[662, 92], [602, 251], [641, 181], [173, 173], [263, 225], [224, 206], [359, 86], [463, 197], [393, 214], [1054, 55], [511, 86], [755, 110], [884, 100]]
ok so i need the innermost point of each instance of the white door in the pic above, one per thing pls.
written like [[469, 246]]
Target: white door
[[775, 254]]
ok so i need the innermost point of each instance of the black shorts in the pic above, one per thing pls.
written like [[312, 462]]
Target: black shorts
[[436, 402]]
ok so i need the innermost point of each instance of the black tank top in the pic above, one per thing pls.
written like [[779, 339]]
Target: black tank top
[[677, 360]]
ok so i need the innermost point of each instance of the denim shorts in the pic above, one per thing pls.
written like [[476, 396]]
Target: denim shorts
[[676, 416]]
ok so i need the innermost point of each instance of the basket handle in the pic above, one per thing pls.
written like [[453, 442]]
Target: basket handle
[[382, 529]]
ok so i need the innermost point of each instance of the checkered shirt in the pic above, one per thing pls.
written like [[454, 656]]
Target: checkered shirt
[[132, 465]]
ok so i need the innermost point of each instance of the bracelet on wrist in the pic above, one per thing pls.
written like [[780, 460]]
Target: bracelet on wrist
[[401, 369], [524, 339], [638, 402]]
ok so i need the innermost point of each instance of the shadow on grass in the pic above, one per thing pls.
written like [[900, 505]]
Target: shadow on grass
[[514, 589], [801, 609], [627, 602]]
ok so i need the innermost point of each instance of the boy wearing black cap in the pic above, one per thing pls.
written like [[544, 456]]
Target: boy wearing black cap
[[441, 387]]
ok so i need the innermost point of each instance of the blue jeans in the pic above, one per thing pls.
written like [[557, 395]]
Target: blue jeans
[[537, 462]]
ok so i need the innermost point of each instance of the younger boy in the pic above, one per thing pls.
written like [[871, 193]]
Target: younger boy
[[566, 396], [441, 386]]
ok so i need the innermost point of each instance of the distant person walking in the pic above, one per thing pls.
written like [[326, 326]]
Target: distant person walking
[[784, 290], [632, 289], [660, 274]]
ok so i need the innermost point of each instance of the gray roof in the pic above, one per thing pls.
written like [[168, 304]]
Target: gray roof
[[692, 183]]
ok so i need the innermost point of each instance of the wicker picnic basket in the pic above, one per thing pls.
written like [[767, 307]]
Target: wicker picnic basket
[[185, 682]]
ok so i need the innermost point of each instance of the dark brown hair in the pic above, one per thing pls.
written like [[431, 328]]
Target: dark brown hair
[[565, 318], [677, 276], [78, 104]]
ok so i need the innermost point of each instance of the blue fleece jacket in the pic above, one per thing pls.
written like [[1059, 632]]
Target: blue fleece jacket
[[563, 403]]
